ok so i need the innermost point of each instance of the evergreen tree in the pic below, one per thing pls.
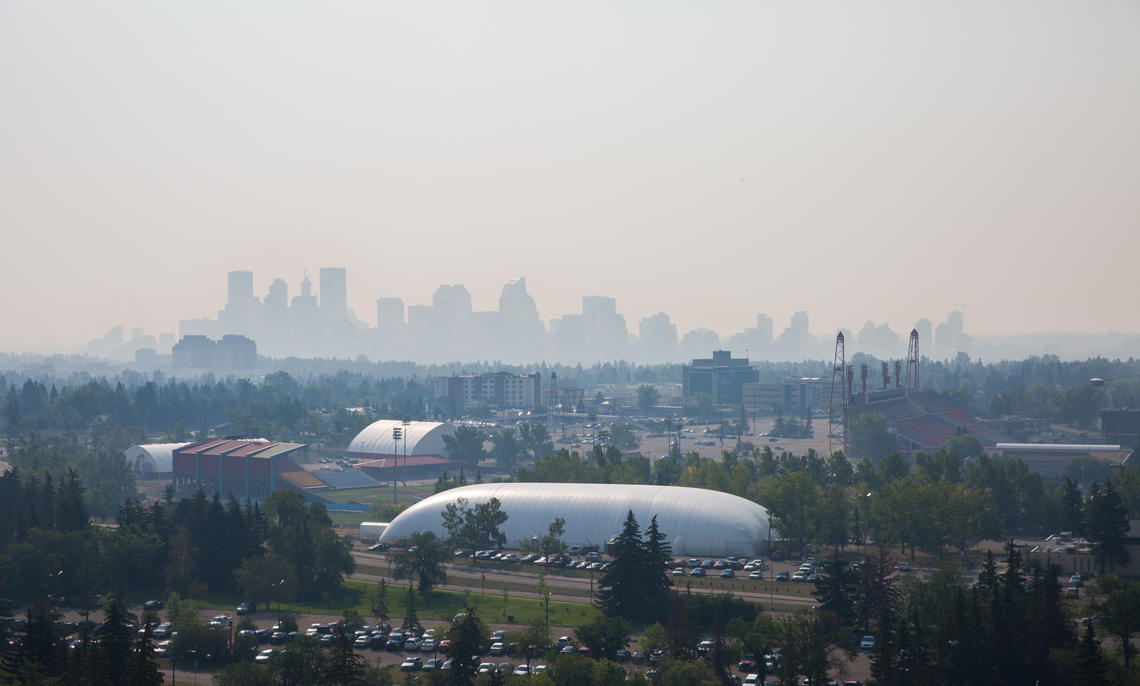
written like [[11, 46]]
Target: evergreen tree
[[658, 554], [410, 618], [836, 591], [380, 608], [343, 666], [1106, 525], [71, 513], [1072, 509], [883, 655], [141, 669], [1091, 667], [41, 650], [622, 586], [115, 639], [467, 634]]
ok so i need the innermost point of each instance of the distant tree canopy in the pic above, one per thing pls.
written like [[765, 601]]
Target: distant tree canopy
[[197, 544], [475, 527], [869, 437], [647, 397], [466, 445]]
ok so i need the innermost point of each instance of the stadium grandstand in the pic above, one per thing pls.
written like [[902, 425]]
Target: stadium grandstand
[[249, 468], [925, 420]]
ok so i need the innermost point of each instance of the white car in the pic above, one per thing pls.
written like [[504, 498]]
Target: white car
[[427, 645], [264, 656], [522, 670], [486, 667], [868, 642]]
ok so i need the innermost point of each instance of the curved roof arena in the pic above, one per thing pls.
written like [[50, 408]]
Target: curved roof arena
[[696, 521], [152, 457], [423, 438]]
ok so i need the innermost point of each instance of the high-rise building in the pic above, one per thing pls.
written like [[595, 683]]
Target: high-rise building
[[334, 292], [390, 314], [658, 338], [239, 288], [764, 328]]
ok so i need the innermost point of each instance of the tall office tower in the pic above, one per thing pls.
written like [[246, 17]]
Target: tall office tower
[[699, 342], [925, 329], [334, 292], [278, 296], [800, 324], [238, 316], [451, 305], [658, 338], [605, 329], [304, 321], [514, 333], [764, 328], [240, 290], [273, 336], [515, 301], [949, 336], [390, 314]]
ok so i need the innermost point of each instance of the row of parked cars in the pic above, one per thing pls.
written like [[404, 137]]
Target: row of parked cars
[[590, 561], [726, 567]]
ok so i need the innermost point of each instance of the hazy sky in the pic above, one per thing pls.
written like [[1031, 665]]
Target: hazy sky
[[883, 160]]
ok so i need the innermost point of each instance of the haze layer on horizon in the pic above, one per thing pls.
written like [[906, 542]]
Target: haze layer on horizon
[[888, 160]]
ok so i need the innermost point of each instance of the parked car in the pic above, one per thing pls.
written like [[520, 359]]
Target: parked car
[[868, 642], [781, 576], [697, 571], [412, 664], [756, 576], [264, 656], [727, 573], [245, 609], [379, 548]]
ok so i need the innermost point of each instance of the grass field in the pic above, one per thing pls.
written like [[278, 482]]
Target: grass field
[[377, 495]]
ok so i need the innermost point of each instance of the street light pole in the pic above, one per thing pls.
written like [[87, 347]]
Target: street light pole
[[277, 595], [395, 462], [406, 422]]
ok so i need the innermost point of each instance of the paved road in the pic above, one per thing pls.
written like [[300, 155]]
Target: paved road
[[574, 589]]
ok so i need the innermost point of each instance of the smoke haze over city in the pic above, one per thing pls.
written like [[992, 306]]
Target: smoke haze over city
[[886, 162]]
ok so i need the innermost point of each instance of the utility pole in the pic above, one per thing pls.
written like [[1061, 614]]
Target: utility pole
[[395, 462], [406, 422]]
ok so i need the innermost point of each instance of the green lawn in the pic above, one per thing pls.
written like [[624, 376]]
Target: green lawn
[[379, 494]]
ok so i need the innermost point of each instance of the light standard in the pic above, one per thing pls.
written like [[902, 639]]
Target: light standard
[[396, 435], [277, 596], [771, 568], [405, 422]]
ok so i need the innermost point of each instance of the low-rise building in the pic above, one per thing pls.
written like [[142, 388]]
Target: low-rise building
[[500, 390], [721, 377]]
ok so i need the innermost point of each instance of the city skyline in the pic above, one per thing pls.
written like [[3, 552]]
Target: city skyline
[[885, 161], [318, 323]]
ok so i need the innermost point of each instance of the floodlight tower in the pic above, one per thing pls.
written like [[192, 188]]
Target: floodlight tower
[[837, 407], [912, 357]]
